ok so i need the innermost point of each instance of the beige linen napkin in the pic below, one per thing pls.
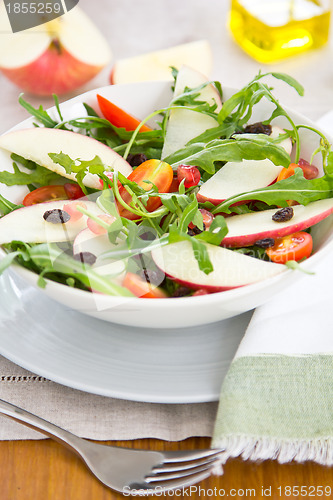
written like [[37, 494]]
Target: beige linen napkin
[[96, 417]]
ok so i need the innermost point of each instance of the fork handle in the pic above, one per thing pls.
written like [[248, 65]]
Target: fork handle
[[39, 424]]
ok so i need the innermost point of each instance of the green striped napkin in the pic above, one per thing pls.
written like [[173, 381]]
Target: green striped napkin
[[277, 398]]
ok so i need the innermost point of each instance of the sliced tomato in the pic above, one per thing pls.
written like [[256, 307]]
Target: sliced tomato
[[156, 171], [296, 246], [45, 193], [309, 171], [118, 117], [42, 194], [141, 288]]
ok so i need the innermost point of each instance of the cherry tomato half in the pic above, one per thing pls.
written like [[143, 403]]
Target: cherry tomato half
[[295, 246], [53, 193], [141, 288], [45, 193], [156, 171], [118, 117]]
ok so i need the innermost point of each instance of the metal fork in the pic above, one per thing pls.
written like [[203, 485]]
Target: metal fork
[[122, 469]]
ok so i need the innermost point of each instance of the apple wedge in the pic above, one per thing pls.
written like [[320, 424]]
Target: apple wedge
[[87, 241], [55, 57], [156, 65], [246, 229], [28, 224], [183, 124], [286, 144], [239, 177], [231, 269], [36, 143]]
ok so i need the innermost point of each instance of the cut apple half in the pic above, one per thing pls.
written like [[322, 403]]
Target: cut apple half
[[231, 269], [55, 57], [36, 143], [183, 124], [87, 241], [156, 65], [246, 229], [28, 224]]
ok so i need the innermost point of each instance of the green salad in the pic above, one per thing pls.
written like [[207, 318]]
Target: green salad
[[199, 197]]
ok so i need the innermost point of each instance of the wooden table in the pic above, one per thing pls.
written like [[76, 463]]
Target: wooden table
[[45, 470]]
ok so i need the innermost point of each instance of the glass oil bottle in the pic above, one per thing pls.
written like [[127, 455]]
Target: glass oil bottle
[[271, 30]]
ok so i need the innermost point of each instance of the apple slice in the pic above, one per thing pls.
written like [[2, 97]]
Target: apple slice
[[239, 177], [183, 124], [231, 269], [55, 57], [36, 143], [156, 65], [28, 224], [246, 229], [286, 144], [87, 241]]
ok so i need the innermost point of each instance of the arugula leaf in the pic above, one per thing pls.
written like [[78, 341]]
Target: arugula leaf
[[39, 113], [6, 206], [216, 232], [51, 258], [293, 264], [8, 260], [199, 248], [290, 81], [64, 160], [190, 214], [39, 176], [202, 155]]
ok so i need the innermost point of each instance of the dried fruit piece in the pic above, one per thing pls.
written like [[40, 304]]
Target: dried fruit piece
[[56, 216], [283, 215]]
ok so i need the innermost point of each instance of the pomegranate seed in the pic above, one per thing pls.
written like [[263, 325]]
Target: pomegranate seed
[[207, 216], [70, 208], [97, 228], [309, 170], [190, 174]]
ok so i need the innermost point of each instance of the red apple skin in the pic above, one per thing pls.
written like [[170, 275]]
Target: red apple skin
[[250, 239], [203, 199], [56, 71]]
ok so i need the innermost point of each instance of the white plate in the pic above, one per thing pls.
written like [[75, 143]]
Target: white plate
[[185, 365]]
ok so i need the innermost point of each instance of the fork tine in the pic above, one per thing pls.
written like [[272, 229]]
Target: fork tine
[[177, 474], [187, 456], [180, 466], [163, 486]]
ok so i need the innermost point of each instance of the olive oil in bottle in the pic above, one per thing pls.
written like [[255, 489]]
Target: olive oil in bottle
[[271, 30]]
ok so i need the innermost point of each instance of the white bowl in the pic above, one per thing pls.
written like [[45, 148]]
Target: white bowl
[[142, 98]]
